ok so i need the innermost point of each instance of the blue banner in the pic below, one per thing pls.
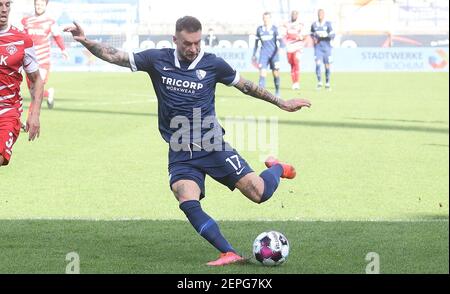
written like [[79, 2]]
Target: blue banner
[[417, 59]]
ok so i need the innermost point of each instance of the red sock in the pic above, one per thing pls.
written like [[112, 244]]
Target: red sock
[[45, 94]]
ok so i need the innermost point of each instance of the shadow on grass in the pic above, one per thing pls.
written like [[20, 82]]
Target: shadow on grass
[[399, 120], [437, 145], [323, 124]]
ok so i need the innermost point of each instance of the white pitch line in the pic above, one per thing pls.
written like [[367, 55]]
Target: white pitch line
[[106, 103], [233, 220]]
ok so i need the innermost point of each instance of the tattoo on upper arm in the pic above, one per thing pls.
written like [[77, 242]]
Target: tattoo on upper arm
[[250, 88]]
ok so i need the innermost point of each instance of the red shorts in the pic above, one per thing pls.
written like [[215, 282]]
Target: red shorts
[[9, 132]]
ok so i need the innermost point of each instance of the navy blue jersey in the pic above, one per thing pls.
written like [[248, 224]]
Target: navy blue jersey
[[322, 33], [269, 39], [185, 90]]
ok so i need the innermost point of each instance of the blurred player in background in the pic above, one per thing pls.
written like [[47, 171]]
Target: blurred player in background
[[16, 52], [322, 33], [270, 40], [41, 27], [211, 39], [184, 80], [294, 45]]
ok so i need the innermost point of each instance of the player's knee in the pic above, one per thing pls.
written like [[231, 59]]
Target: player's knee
[[186, 190]]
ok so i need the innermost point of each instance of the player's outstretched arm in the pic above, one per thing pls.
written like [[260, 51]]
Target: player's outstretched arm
[[249, 88], [36, 90], [102, 51]]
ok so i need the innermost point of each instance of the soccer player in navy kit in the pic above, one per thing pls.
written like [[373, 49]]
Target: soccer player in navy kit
[[322, 33], [184, 80], [270, 40]]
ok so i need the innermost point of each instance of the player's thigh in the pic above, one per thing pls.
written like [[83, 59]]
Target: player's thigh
[[44, 71], [1, 160], [186, 181], [185, 190], [264, 62], [262, 72], [318, 56], [252, 186], [297, 56], [318, 59]]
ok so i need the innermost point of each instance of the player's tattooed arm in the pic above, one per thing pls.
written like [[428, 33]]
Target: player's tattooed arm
[[107, 53], [249, 88], [102, 51]]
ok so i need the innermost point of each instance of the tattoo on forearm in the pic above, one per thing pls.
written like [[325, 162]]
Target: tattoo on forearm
[[254, 90], [108, 53]]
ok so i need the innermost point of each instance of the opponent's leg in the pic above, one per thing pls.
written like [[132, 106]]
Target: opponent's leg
[[296, 71], [49, 94], [292, 65]]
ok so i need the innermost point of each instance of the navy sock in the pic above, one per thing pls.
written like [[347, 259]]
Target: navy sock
[[271, 177], [327, 75], [262, 82], [276, 81], [205, 225], [318, 73]]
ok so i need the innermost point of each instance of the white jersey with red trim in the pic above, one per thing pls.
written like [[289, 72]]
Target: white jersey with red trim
[[16, 53], [41, 28], [294, 37]]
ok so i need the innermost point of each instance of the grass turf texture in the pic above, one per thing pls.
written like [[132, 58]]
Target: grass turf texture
[[374, 148], [174, 247]]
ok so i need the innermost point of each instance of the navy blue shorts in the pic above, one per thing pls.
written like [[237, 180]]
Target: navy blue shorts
[[323, 55], [269, 60], [227, 167]]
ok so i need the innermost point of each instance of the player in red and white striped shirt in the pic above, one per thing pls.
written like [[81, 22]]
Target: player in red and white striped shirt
[[16, 53], [294, 45], [42, 28]]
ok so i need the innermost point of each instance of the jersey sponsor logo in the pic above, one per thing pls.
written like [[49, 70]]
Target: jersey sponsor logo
[[167, 68], [36, 32], [11, 49], [187, 87], [267, 37], [201, 74]]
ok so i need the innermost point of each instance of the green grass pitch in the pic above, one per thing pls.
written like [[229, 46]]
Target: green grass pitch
[[372, 158]]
